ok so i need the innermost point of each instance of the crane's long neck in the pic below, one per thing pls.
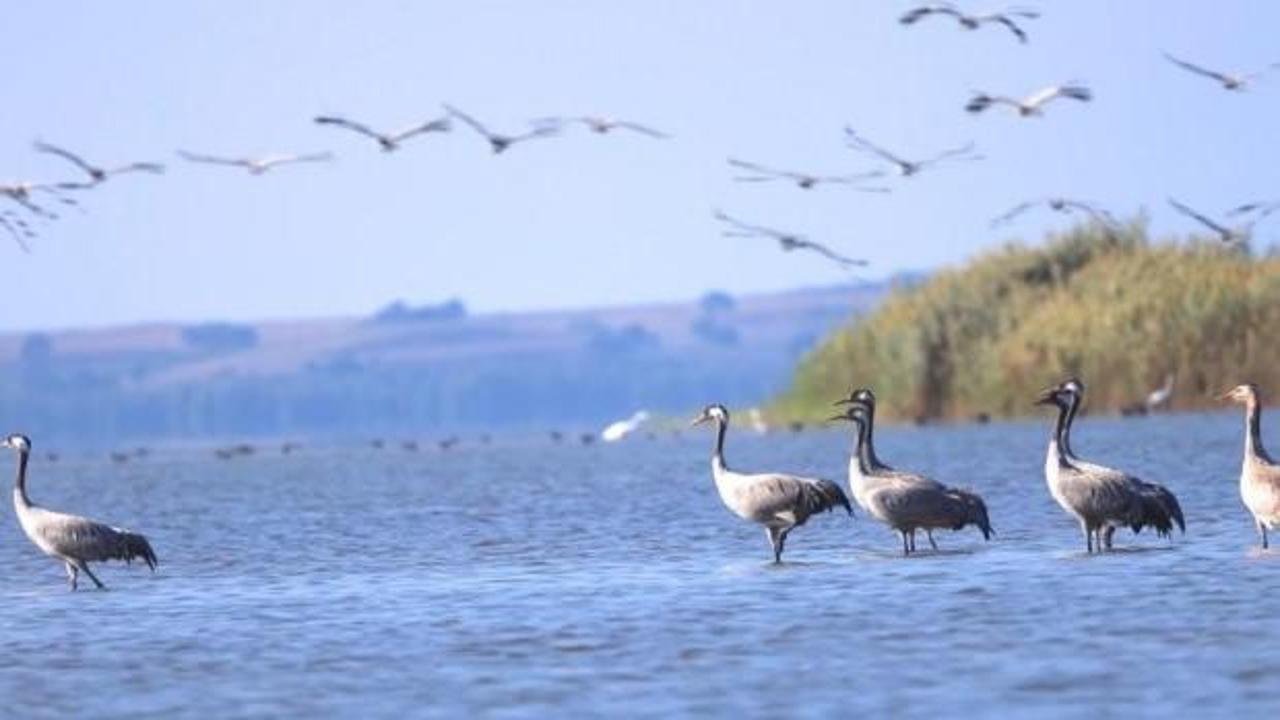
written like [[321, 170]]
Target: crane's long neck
[[717, 455], [20, 486], [1061, 440], [1253, 432], [1064, 431], [866, 450]]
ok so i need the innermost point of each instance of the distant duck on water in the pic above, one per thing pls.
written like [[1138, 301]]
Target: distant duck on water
[[1260, 475], [904, 501], [1100, 498], [781, 503]]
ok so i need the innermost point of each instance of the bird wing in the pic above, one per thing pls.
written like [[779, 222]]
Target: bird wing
[[83, 539], [981, 101], [829, 253], [747, 229], [1192, 67], [964, 152], [861, 143], [213, 159], [1099, 214], [348, 124], [78, 161], [1008, 22], [763, 169], [1014, 212], [915, 14], [770, 495], [538, 131], [1053, 92], [1199, 218], [148, 167], [437, 125], [642, 129], [470, 121], [289, 159]]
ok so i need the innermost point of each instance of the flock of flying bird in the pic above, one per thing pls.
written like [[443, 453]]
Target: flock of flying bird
[[1099, 498], [29, 196], [1235, 227]]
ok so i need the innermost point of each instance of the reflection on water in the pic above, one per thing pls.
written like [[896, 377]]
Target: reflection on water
[[530, 579]]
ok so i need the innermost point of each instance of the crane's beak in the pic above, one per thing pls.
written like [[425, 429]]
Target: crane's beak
[[1228, 395], [1048, 396], [838, 418], [699, 420], [842, 401]]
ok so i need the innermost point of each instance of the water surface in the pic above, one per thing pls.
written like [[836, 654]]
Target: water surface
[[524, 579]]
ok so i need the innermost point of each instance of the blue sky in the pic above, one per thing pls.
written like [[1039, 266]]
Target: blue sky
[[584, 220]]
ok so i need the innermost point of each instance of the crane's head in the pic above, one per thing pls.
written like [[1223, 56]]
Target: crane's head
[[717, 413], [21, 443], [1246, 393], [1062, 394], [854, 413], [859, 396]]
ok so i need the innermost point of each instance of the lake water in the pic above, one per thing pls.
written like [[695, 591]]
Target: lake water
[[528, 579]]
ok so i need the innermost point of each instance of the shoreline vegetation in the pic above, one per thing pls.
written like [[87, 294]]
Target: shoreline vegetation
[[1108, 305]]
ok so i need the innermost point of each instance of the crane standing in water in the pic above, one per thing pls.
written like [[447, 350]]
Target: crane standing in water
[[75, 541]]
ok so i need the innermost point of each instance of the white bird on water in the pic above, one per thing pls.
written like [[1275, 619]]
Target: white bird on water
[[622, 428], [1260, 475], [779, 502], [75, 541]]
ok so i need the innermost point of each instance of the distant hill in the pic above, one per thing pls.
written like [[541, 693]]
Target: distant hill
[[411, 368], [1110, 306]]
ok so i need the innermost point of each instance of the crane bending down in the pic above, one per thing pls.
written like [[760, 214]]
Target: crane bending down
[[75, 541], [779, 502], [1100, 498], [904, 501]]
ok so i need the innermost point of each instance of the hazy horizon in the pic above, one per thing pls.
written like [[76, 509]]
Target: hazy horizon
[[584, 220]]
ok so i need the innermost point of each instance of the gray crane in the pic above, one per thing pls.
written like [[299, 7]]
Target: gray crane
[[1260, 475], [904, 501], [388, 141], [97, 173], [1032, 105], [972, 21], [779, 502], [1100, 498], [75, 541]]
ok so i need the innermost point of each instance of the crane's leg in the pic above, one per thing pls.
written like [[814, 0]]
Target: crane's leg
[[1088, 537], [782, 541], [775, 541], [929, 534], [913, 540], [906, 549], [94, 578], [1107, 533], [72, 575], [1262, 530]]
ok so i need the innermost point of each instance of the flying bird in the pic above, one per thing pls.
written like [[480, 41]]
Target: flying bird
[[256, 166], [1228, 235], [805, 181], [1229, 81], [788, 241], [21, 193], [1262, 208], [907, 168], [391, 141], [97, 174], [1063, 205], [1032, 105], [972, 22], [604, 125], [497, 141]]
